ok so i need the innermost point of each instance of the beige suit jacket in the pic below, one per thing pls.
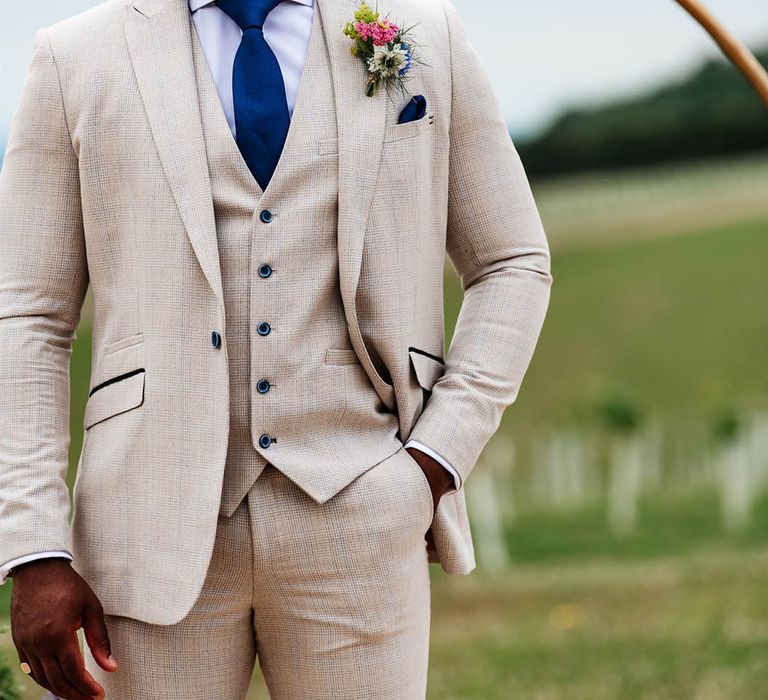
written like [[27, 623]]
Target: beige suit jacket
[[105, 183]]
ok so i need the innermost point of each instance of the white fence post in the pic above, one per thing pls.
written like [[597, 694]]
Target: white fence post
[[489, 504], [624, 484]]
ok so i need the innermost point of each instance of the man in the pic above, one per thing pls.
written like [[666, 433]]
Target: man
[[275, 442]]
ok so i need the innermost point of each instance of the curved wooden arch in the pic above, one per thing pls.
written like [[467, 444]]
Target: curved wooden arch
[[733, 49]]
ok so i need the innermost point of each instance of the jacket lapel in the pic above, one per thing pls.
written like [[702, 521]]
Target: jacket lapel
[[361, 122], [160, 45]]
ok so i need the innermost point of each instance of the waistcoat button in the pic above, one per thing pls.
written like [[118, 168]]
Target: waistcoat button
[[264, 328], [265, 271], [216, 339], [263, 386], [265, 441], [265, 216]]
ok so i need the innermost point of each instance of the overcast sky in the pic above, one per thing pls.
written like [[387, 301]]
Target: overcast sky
[[541, 54]]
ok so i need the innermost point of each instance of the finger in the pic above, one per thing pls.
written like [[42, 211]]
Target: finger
[[93, 693], [97, 637], [72, 665], [59, 684], [38, 674], [22, 656], [24, 659]]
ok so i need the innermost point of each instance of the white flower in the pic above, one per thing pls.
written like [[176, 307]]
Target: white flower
[[386, 62]]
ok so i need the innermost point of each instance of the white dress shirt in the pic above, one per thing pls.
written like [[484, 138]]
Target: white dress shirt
[[287, 30]]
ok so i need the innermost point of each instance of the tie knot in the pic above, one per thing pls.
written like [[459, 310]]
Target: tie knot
[[248, 13]]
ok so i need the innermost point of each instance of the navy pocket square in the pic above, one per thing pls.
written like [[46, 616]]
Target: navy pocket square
[[415, 109]]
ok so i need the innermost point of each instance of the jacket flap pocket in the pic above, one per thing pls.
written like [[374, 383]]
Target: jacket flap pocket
[[328, 147], [428, 367], [116, 395], [397, 132], [118, 358]]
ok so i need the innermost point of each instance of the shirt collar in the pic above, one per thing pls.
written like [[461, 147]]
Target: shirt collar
[[195, 5]]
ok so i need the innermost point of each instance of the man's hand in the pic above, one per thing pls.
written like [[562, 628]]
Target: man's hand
[[51, 601], [440, 480]]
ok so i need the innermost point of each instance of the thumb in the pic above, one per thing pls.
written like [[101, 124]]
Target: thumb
[[97, 637]]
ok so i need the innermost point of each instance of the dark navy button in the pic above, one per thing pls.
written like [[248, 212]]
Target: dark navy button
[[264, 328], [215, 339], [265, 271], [265, 441], [263, 386], [266, 216]]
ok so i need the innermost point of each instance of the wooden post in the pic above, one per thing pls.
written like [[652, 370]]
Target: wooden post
[[734, 50]]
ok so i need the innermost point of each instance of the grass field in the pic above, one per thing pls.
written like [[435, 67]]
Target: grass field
[[679, 321], [676, 610], [682, 627]]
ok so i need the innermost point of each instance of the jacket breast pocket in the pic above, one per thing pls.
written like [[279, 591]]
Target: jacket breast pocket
[[398, 132], [114, 396], [407, 159]]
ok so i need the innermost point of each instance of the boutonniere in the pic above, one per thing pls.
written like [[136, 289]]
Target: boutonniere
[[387, 50]]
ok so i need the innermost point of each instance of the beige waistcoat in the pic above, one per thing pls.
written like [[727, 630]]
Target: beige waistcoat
[[326, 419]]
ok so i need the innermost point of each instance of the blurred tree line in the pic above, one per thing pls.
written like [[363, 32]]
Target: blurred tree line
[[712, 112]]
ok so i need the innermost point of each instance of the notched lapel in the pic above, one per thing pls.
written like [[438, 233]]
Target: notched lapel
[[160, 46], [361, 121]]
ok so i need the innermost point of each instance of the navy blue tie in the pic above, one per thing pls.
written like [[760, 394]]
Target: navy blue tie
[[261, 108]]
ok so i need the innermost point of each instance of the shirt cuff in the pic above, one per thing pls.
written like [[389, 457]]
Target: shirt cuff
[[429, 451], [5, 568]]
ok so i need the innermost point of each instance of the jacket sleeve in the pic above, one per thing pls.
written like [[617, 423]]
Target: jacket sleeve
[[496, 242], [43, 281]]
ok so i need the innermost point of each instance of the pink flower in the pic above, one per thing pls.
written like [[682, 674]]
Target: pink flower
[[382, 32]]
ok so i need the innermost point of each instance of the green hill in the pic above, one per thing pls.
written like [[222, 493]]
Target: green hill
[[714, 111]]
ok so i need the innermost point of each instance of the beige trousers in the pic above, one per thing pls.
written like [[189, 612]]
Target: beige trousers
[[333, 600]]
